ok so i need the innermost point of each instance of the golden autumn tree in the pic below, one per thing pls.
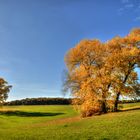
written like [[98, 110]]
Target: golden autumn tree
[[4, 89], [102, 72], [87, 77], [124, 58]]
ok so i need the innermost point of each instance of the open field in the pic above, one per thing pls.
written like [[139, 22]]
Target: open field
[[63, 123]]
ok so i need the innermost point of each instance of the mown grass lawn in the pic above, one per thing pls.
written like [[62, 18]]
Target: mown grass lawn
[[63, 123]]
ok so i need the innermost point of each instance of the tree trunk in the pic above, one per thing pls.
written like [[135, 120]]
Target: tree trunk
[[118, 94], [103, 103], [103, 107], [116, 102]]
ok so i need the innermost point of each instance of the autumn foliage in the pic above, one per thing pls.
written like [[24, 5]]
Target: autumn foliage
[[100, 73]]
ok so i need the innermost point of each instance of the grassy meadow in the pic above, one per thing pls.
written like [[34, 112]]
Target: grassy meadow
[[62, 122]]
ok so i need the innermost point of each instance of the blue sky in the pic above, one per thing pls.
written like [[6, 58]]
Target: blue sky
[[36, 34]]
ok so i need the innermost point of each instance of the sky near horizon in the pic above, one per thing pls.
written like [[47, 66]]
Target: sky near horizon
[[36, 34]]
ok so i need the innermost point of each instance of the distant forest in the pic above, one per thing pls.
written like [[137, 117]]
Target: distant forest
[[40, 101], [52, 101]]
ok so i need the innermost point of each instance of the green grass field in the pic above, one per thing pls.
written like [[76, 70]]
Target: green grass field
[[63, 123]]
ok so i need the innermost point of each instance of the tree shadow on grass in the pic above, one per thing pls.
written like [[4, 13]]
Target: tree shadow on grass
[[28, 114], [130, 109]]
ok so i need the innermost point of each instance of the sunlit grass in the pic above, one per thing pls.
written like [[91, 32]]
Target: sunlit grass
[[63, 123]]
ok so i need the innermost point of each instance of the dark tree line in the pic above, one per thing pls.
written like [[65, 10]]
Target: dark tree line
[[40, 101], [52, 101]]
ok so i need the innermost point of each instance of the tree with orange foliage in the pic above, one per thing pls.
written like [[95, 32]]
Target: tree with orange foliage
[[124, 58], [100, 72]]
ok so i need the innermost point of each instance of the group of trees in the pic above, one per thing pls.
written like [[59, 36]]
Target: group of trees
[[40, 101], [99, 74]]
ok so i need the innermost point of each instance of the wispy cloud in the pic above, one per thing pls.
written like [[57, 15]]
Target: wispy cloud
[[129, 5], [124, 1], [120, 9], [125, 7], [137, 19]]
